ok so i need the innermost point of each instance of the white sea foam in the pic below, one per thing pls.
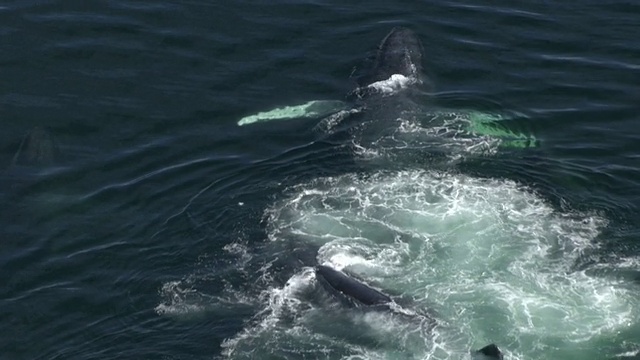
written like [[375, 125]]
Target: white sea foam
[[490, 256], [179, 300], [393, 84]]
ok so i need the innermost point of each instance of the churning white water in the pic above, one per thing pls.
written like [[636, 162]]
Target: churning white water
[[489, 259]]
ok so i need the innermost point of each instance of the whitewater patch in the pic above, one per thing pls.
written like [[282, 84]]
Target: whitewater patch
[[490, 257], [393, 84]]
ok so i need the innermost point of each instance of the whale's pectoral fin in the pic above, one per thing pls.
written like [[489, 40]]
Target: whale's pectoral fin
[[311, 109], [38, 148], [495, 125], [479, 123], [489, 352], [329, 123]]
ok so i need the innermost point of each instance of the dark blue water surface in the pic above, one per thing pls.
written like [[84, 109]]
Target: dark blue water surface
[[136, 216]]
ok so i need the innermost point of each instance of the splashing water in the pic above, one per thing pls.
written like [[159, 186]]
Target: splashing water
[[491, 258]]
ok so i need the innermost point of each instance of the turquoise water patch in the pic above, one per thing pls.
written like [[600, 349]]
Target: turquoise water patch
[[491, 258]]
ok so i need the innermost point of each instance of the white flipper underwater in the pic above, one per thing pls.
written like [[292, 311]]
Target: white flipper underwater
[[493, 125], [383, 94], [311, 109]]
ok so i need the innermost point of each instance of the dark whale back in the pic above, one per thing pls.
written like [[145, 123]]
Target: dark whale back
[[353, 288], [387, 92]]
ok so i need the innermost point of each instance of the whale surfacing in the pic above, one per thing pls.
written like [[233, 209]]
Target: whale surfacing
[[397, 70], [354, 289], [350, 287], [399, 53]]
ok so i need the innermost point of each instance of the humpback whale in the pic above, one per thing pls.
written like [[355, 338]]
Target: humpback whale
[[364, 294], [396, 69], [398, 64], [351, 287], [360, 294]]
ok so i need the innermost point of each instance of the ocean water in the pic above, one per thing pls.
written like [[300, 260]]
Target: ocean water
[[139, 221]]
